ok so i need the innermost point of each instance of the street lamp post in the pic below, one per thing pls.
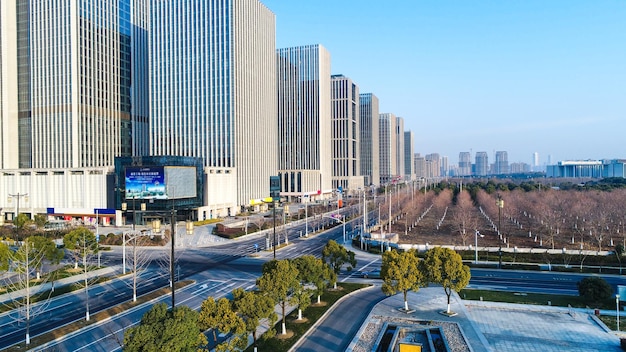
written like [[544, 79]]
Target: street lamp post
[[476, 234], [617, 309], [18, 195], [156, 227], [500, 204], [274, 216]]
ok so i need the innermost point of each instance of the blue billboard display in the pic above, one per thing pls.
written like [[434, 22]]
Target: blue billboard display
[[145, 182]]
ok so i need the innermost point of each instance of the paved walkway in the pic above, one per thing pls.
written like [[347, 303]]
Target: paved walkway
[[490, 326]]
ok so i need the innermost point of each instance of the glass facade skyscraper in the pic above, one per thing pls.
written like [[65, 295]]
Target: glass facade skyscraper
[[69, 63], [304, 120], [213, 89], [370, 161], [345, 132]]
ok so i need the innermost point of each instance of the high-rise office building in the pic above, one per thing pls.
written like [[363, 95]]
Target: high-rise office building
[[66, 81], [369, 124], [433, 165], [388, 148], [501, 165], [535, 164], [304, 120], [399, 147], [409, 151], [213, 92], [445, 169], [465, 164], [345, 134], [420, 166], [482, 164]]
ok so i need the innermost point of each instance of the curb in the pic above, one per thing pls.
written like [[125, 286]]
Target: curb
[[323, 317]]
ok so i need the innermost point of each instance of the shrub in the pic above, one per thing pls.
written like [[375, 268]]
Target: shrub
[[594, 289]]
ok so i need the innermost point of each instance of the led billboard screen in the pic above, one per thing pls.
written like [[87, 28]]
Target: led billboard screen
[[160, 182]]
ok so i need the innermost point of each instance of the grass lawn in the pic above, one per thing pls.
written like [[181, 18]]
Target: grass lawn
[[312, 314], [534, 298]]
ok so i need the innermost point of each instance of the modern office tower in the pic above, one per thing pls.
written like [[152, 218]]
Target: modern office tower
[[388, 147], [420, 165], [66, 81], [400, 147], [304, 121], [345, 134], [369, 124], [535, 164], [501, 165], [444, 166], [465, 164], [433, 165], [213, 93], [482, 164], [409, 151]]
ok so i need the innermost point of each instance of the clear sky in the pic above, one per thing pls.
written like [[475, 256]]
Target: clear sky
[[546, 76]]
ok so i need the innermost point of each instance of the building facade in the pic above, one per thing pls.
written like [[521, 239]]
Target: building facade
[[588, 168], [304, 121], [213, 93], [370, 146], [465, 164], [409, 151], [388, 147], [346, 134], [501, 165], [66, 82], [399, 132], [482, 164]]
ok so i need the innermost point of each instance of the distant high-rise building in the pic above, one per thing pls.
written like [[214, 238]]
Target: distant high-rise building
[[304, 120], [370, 146], [501, 165], [213, 91], [444, 166], [387, 147], [518, 168], [465, 164], [399, 147], [409, 149], [345, 134], [482, 164], [66, 85], [420, 165], [433, 165]]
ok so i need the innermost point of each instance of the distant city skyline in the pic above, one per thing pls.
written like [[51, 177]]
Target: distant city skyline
[[521, 77]]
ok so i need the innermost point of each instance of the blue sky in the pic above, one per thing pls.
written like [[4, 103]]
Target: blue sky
[[546, 76]]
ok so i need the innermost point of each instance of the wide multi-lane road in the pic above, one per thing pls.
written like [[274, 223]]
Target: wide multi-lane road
[[219, 269]]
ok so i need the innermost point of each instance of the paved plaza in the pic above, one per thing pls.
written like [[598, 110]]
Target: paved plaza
[[489, 326]]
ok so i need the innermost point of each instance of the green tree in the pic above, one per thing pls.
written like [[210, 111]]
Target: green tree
[[48, 248], [336, 256], [161, 329], [252, 307], [400, 273], [21, 220], [314, 271], [594, 289], [278, 281], [5, 255], [302, 298], [82, 242], [220, 316], [40, 220], [445, 267]]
